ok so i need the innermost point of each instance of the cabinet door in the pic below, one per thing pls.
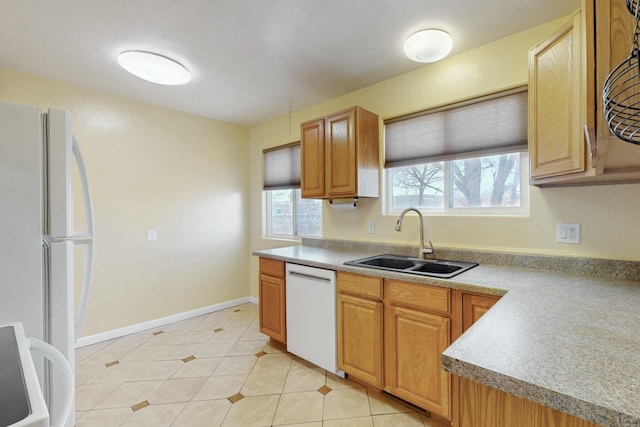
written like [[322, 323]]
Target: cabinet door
[[272, 307], [360, 338], [312, 153], [340, 154], [474, 306], [414, 341], [556, 110]]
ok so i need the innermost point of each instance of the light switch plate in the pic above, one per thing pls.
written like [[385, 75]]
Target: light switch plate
[[152, 235], [568, 233]]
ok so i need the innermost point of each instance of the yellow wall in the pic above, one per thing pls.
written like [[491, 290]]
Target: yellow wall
[[609, 215], [152, 167]]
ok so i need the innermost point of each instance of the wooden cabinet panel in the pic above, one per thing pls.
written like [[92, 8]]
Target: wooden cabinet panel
[[357, 284], [419, 296], [483, 406], [414, 341], [556, 114], [272, 267], [474, 306], [360, 338], [272, 308], [312, 152], [341, 154]]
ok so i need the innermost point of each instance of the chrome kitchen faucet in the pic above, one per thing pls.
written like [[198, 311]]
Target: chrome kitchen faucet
[[423, 251]]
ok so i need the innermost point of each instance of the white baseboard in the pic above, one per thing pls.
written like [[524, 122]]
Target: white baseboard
[[127, 330]]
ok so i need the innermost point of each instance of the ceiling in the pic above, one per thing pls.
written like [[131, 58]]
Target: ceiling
[[251, 60]]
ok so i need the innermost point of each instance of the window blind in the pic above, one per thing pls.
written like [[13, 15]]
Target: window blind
[[281, 167], [481, 126]]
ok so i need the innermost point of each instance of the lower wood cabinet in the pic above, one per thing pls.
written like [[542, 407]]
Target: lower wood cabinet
[[417, 329], [272, 308], [360, 327], [474, 306], [483, 406], [416, 339], [391, 335]]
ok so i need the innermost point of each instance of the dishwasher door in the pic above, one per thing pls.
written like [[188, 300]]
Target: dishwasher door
[[311, 315]]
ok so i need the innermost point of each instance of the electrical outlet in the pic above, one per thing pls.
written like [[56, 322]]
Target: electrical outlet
[[152, 235], [568, 233], [372, 227]]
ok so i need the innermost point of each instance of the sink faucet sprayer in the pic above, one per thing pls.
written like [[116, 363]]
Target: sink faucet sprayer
[[423, 251]]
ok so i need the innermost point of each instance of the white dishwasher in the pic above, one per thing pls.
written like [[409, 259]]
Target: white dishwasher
[[311, 315]]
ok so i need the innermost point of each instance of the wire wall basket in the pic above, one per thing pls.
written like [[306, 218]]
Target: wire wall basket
[[621, 92]]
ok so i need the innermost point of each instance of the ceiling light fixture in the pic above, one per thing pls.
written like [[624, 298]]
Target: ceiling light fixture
[[428, 45], [154, 68]]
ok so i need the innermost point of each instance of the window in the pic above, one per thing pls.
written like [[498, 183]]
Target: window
[[465, 158], [287, 214], [492, 184]]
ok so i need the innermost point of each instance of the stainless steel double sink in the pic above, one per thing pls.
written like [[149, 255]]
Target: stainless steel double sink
[[443, 269]]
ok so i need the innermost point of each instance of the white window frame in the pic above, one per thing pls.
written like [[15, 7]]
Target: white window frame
[[267, 203], [522, 210]]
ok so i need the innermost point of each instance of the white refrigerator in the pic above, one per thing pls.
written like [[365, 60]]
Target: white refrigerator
[[37, 237]]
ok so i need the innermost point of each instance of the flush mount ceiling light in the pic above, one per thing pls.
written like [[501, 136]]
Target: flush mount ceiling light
[[428, 45], [154, 68]]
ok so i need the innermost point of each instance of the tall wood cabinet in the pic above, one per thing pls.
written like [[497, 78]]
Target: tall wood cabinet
[[340, 155], [569, 140], [272, 308]]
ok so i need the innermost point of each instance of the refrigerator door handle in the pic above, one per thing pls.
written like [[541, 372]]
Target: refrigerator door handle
[[88, 240], [86, 286], [84, 182], [58, 360]]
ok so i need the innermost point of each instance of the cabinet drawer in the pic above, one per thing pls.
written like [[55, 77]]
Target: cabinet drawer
[[272, 267], [422, 296], [360, 285]]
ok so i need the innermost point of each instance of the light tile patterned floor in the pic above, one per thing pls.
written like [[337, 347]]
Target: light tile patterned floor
[[218, 370]]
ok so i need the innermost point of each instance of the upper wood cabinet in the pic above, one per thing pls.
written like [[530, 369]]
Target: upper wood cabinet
[[569, 139], [340, 155], [312, 159], [272, 308], [556, 107]]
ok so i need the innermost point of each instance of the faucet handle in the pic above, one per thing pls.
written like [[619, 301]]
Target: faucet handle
[[429, 250]]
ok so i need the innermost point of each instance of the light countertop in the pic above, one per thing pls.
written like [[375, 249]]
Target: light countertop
[[566, 341]]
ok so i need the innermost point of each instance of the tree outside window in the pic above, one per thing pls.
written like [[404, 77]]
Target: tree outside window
[[491, 182]]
